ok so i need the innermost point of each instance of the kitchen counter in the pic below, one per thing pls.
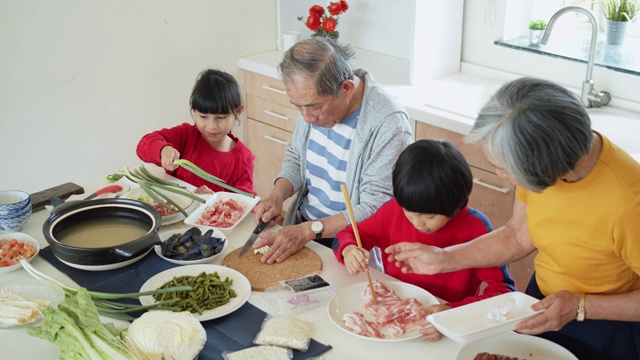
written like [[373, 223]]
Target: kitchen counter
[[453, 101]]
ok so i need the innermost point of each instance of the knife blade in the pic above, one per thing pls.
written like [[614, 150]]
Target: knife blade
[[253, 237]]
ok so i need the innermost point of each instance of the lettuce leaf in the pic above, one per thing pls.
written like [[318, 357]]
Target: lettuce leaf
[[76, 329]]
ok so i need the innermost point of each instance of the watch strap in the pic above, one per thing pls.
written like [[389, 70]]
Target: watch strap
[[580, 316]]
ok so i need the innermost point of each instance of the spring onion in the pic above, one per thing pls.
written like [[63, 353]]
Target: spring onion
[[188, 165], [103, 301], [151, 183]]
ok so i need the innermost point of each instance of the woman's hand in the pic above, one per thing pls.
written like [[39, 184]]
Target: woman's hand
[[167, 156], [356, 260], [559, 309], [416, 258], [284, 242], [429, 332]]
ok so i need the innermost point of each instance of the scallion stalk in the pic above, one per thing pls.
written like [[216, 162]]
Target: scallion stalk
[[188, 165]]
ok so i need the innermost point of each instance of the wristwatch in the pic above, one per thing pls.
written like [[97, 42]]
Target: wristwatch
[[581, 313], [317, 227]]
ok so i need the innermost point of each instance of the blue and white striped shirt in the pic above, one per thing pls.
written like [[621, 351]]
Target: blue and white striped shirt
[[327, 155]]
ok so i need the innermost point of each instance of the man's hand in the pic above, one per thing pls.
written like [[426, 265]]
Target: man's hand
[[284, 242]]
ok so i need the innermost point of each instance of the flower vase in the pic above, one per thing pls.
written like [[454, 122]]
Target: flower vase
[[616, 31]]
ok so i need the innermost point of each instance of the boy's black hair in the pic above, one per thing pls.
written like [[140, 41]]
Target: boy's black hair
[[432, 177], [215, 92]]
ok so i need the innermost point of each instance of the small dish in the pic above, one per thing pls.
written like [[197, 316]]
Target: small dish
[[246, 202], [21, 238], [240, 284], [470, 322], [183, 201], [33, 289], [349, 300], [164, 236], [516, 345]]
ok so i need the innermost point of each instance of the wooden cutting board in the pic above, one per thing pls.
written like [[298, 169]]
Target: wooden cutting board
[[262, 276]]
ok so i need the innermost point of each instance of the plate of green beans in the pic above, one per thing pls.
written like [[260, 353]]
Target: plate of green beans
[[216, 290]]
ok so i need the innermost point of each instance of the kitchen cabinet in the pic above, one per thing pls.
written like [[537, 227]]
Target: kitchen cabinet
[[491, 194], [269, 127]]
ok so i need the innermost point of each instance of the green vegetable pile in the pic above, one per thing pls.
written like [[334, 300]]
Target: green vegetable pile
[[209, 292], [76, 329]]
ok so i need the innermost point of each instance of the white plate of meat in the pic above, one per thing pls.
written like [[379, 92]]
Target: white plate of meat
[[169, 216], [396, 317], [511, 346], [223, 211]]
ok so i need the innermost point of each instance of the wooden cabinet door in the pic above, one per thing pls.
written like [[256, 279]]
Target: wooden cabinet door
[[271, 113], [268, 146]]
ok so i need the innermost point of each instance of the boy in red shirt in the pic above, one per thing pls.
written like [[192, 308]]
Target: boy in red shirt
[[431, 186]]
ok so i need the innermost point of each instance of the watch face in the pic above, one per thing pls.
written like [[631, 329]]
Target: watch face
[[317, 226]]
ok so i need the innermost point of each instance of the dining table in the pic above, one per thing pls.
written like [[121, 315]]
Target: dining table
[[17, 344]]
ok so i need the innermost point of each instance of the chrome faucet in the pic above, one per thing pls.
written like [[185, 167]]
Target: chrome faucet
[[590, 96]]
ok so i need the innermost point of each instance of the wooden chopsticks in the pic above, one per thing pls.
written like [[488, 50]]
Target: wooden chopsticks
[[352, 217]]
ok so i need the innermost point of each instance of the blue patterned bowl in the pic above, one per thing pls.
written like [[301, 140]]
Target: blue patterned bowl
[[15, 209]]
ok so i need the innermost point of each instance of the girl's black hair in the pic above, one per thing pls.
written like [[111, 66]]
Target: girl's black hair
[[215, 92], [432, 177]]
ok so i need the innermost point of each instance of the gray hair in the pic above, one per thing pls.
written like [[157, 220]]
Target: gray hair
[[535, 129], [325, 61]]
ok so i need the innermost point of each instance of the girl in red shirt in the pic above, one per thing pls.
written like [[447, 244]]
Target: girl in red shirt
[[431, 186], [216, 104]]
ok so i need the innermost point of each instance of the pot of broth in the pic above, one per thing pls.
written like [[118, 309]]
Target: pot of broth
[[102, 234]]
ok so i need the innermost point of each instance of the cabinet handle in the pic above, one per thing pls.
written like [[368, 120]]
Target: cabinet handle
[[276, 140], [503, 190], [271, 113], [278, 91]]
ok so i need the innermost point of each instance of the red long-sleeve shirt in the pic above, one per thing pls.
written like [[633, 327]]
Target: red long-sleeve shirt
[[390, 226], [234, 167]]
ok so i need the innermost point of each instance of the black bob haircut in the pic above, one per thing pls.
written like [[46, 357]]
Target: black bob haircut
[[215, 92], [432, 177]]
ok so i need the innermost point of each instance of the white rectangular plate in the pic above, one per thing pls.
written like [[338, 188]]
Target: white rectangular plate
[[469, 322], [247, 202]]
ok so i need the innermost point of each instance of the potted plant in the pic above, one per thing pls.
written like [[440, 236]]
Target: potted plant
[[536, 30], [618, 14]]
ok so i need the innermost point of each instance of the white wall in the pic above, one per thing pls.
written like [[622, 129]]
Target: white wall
[[484, 22], [82, 80]]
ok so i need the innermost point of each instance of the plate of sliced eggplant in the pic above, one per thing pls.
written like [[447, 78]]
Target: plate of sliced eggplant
[[191, 245]]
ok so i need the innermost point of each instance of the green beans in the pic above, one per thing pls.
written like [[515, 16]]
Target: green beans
[[188, 165], [209, 292]]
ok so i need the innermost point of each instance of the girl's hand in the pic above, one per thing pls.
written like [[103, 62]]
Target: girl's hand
[[429, 332], [356, 260], [167, 156]]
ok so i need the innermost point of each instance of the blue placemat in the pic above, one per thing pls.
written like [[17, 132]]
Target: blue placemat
[[232, 332]]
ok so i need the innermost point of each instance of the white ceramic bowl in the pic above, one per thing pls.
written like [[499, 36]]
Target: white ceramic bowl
[[469, 322], [141, 195], [167, 234], [21, 238], [246, 202], [15, 210]]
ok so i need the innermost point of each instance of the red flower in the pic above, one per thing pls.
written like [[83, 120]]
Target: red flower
[[344, 5], [329, 24], [324, 23], [313, 22], [316, 10], [334, 8]]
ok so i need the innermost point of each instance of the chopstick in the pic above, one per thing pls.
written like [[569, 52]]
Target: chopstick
[[352, 217]]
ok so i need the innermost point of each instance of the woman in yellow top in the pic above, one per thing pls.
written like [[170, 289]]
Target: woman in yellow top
[[577, 203]]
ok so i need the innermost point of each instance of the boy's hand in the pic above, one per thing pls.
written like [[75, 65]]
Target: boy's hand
[[356, 260]]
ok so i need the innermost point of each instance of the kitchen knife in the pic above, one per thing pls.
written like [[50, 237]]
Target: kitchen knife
[[253, 237]]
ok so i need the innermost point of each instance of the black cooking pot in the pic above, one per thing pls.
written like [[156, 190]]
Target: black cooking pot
[[69, 216]]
